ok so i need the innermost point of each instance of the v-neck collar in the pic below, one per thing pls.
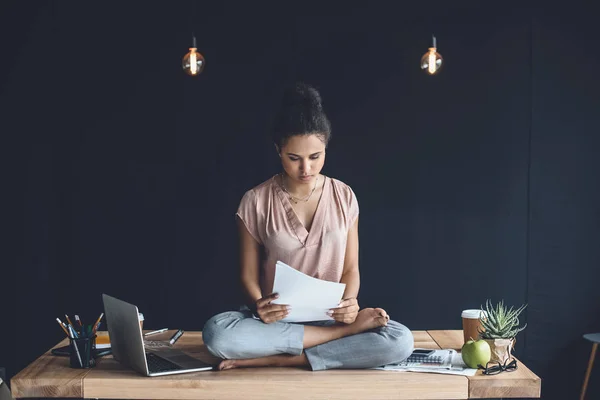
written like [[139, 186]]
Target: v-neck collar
[[306, 238]]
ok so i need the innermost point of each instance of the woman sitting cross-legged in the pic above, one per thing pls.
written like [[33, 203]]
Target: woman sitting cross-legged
[[309, 221]]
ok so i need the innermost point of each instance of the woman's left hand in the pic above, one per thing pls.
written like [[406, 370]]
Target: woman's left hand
[[346, 312]]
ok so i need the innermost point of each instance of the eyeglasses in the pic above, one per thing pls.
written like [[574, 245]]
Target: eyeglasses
[[494, 368]]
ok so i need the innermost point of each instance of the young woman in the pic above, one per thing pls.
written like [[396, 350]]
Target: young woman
[[310, 222]]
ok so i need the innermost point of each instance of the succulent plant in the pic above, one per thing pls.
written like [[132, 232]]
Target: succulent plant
[[500, 322]]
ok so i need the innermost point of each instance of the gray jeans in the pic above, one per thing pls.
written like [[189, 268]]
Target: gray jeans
[[237, 335]]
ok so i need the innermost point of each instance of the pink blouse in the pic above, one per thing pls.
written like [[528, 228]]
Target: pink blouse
[[269, 217]]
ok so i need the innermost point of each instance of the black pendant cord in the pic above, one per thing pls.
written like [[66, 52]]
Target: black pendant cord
[[191, 26]]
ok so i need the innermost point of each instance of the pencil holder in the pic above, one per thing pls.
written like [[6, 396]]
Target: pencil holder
[[82, 352]]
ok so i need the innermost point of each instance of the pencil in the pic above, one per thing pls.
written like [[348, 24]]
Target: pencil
[[62, 326], [69, 320], [97, 322]]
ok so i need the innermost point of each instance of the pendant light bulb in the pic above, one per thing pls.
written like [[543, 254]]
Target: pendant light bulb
[[193, 62], [432, 61]]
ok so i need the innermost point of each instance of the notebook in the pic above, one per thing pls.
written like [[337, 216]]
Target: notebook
[[102, 341]]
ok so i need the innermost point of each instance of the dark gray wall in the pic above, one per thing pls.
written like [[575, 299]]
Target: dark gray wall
[[122, 174], [565, 200]]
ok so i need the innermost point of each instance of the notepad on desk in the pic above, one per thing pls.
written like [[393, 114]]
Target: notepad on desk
[[103, 341]]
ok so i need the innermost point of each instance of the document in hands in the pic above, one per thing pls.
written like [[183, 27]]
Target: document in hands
[[310, 298]]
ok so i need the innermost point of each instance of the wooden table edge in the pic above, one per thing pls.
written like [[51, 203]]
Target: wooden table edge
[[21, 382], [19, 386], [477, 379]]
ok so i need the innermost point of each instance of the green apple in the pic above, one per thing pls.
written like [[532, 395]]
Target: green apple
[[476, 352]]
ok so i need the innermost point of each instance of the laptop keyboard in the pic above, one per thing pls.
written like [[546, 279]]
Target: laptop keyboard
[[159, 364]]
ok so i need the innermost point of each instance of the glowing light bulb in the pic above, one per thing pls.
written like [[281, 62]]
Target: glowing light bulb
[[432, 61], [193, 62], [193, 65]]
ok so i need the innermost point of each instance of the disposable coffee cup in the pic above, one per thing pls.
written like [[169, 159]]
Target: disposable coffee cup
[[141, 319], [471, 324]]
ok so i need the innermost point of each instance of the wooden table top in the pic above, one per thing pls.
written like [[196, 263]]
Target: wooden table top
[[51, 376]]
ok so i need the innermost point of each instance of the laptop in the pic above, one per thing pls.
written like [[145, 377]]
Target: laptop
[[127, 344]]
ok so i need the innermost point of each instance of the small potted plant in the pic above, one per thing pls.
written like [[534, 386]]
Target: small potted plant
[[500, 326]]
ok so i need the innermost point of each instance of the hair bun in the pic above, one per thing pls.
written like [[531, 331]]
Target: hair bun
[[302, 95], [301, 113]]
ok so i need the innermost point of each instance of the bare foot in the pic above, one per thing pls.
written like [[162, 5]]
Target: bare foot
[[283, 360], [227, 364], [369, 318]]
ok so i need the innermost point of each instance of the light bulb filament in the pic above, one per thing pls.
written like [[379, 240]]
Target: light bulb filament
[[431, 63], [193, 62]]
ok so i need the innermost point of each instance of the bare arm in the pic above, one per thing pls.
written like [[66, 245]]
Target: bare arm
[[348, 308], [249, 264], [350, 274], [250, 276]]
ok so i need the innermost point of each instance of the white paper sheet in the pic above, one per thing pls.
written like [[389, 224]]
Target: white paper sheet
[[310, 298]]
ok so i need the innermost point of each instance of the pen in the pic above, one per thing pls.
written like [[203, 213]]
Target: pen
[[155, 332], [176, 337], [72, 330], [78, 321], [76, 348]]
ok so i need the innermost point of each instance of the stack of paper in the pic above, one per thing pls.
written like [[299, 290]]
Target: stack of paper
[[310, 298]]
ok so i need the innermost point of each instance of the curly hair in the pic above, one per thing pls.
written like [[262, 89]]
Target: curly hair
[[301, 113]]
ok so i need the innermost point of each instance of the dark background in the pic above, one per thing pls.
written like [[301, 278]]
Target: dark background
[[121, 174]]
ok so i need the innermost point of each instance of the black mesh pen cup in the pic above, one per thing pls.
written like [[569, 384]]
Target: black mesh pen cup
[[83, 350]]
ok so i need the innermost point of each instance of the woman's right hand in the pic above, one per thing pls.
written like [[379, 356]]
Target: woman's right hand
[[268, 312]]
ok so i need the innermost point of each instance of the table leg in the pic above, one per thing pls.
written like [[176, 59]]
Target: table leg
[[589, 370]]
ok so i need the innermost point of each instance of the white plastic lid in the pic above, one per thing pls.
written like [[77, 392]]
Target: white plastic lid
[[472, 314], [140, 316]]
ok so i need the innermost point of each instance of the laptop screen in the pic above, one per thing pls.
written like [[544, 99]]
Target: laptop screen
[[126, 340]]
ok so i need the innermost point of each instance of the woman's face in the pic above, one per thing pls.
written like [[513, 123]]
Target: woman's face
[[303, 157]]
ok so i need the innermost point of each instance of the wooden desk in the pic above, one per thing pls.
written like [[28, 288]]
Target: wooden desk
[[50, 376]]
